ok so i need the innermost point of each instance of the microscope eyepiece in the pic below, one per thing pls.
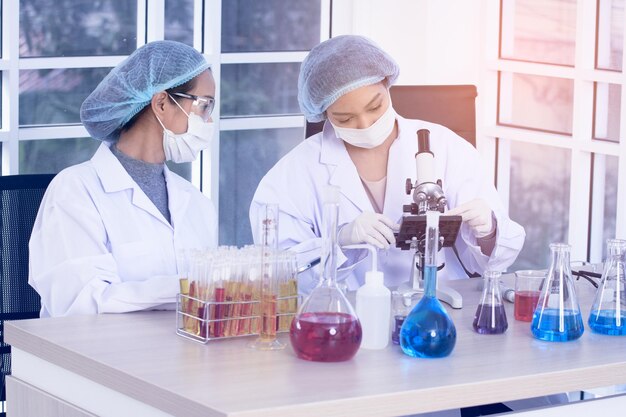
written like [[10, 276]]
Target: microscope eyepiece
[[423, 141]]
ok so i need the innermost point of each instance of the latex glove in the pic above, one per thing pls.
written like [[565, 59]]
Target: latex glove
[[478, 216], [368, 227]]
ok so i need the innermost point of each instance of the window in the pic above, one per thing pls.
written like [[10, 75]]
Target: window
[[270, 25], [239, 177], [261, 89], [610, 42], [48, 76], [603, 204], [607, 101], [262, 46], [539, 31], [179, 23], [539, 198], [554, 105], [69, 28], [536, 102], [57, 51]]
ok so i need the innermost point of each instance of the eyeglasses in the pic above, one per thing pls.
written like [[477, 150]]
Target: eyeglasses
[[202, 106]]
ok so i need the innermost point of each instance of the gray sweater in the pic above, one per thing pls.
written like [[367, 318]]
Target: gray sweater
[[149, 177]]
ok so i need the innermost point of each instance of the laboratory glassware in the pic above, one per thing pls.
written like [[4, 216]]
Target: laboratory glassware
[[326, 328], [528, 284], [270, 283], [608, 312], [557, 317], [428, 331], [490, 317]]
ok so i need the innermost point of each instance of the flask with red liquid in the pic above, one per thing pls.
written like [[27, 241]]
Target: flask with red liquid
[[326, 328]]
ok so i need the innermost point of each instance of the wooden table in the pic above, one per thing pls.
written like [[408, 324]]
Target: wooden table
[[135, 364]]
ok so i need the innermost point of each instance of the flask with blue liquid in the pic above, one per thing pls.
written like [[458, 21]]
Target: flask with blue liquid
[[428, 331], [608, 313], [557, 316]]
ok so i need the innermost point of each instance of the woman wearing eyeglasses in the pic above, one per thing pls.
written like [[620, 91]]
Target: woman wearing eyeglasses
[[111, 231]]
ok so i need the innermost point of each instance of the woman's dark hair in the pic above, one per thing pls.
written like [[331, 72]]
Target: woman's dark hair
[[183, 88]]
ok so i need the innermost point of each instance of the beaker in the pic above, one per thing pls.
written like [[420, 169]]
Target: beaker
[[490, 317], [608, 312], [428, 331], [557, 317], [528, 284], [326, 328]]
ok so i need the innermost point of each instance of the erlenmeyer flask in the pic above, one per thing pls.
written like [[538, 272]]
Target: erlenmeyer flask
[[490, 316], [557, 316], [608, 313], [428, 331], [326, 328]]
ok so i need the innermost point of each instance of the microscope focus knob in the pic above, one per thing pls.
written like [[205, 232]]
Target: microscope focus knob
[[408, 186]]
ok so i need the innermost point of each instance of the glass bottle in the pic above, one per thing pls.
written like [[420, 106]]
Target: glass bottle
[[608, 312], [490, 317], [326, 328], [428, 331], [557, 317]]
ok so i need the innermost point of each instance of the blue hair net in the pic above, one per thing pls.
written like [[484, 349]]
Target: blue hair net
[[129, 87], [338, 66]]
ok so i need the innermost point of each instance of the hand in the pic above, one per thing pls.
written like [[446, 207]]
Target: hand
[[368, 227], [478, 216]]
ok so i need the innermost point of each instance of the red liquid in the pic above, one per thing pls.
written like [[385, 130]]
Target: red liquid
[[325, 337], [525, 303], [219, 313]]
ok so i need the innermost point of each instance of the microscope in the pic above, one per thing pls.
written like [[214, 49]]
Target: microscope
[[427, 195]]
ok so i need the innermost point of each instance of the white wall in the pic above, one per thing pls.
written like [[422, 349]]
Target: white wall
[[434, 41]]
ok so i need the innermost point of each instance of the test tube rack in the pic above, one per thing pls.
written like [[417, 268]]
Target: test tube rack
[[202, 321]]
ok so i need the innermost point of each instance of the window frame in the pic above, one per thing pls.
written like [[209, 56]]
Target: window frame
[[581, 142], [150, 27]]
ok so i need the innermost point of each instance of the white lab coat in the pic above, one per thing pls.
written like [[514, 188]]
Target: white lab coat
[[298, 180], [99, 244]]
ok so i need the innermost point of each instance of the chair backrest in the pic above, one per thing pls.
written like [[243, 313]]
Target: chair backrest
[[453, 106], [20, 197]]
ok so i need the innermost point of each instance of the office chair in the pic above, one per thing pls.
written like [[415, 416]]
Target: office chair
[[20, 197], [452, 106]]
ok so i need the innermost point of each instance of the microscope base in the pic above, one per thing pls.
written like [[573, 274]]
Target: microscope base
[[450, 296]]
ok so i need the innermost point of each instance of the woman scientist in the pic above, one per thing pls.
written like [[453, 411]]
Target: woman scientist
[[108, 230], [367, 150]]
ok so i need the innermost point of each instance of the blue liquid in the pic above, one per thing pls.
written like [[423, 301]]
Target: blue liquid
[[490, 319], [428, 332], [603, 322], [397, 325], [546, 326]]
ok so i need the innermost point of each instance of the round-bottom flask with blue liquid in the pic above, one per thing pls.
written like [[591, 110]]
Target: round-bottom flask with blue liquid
[[557, 316], [428, 331]]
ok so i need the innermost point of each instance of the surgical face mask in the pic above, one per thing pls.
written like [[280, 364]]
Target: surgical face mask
[[185, 147], [372, 136]]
